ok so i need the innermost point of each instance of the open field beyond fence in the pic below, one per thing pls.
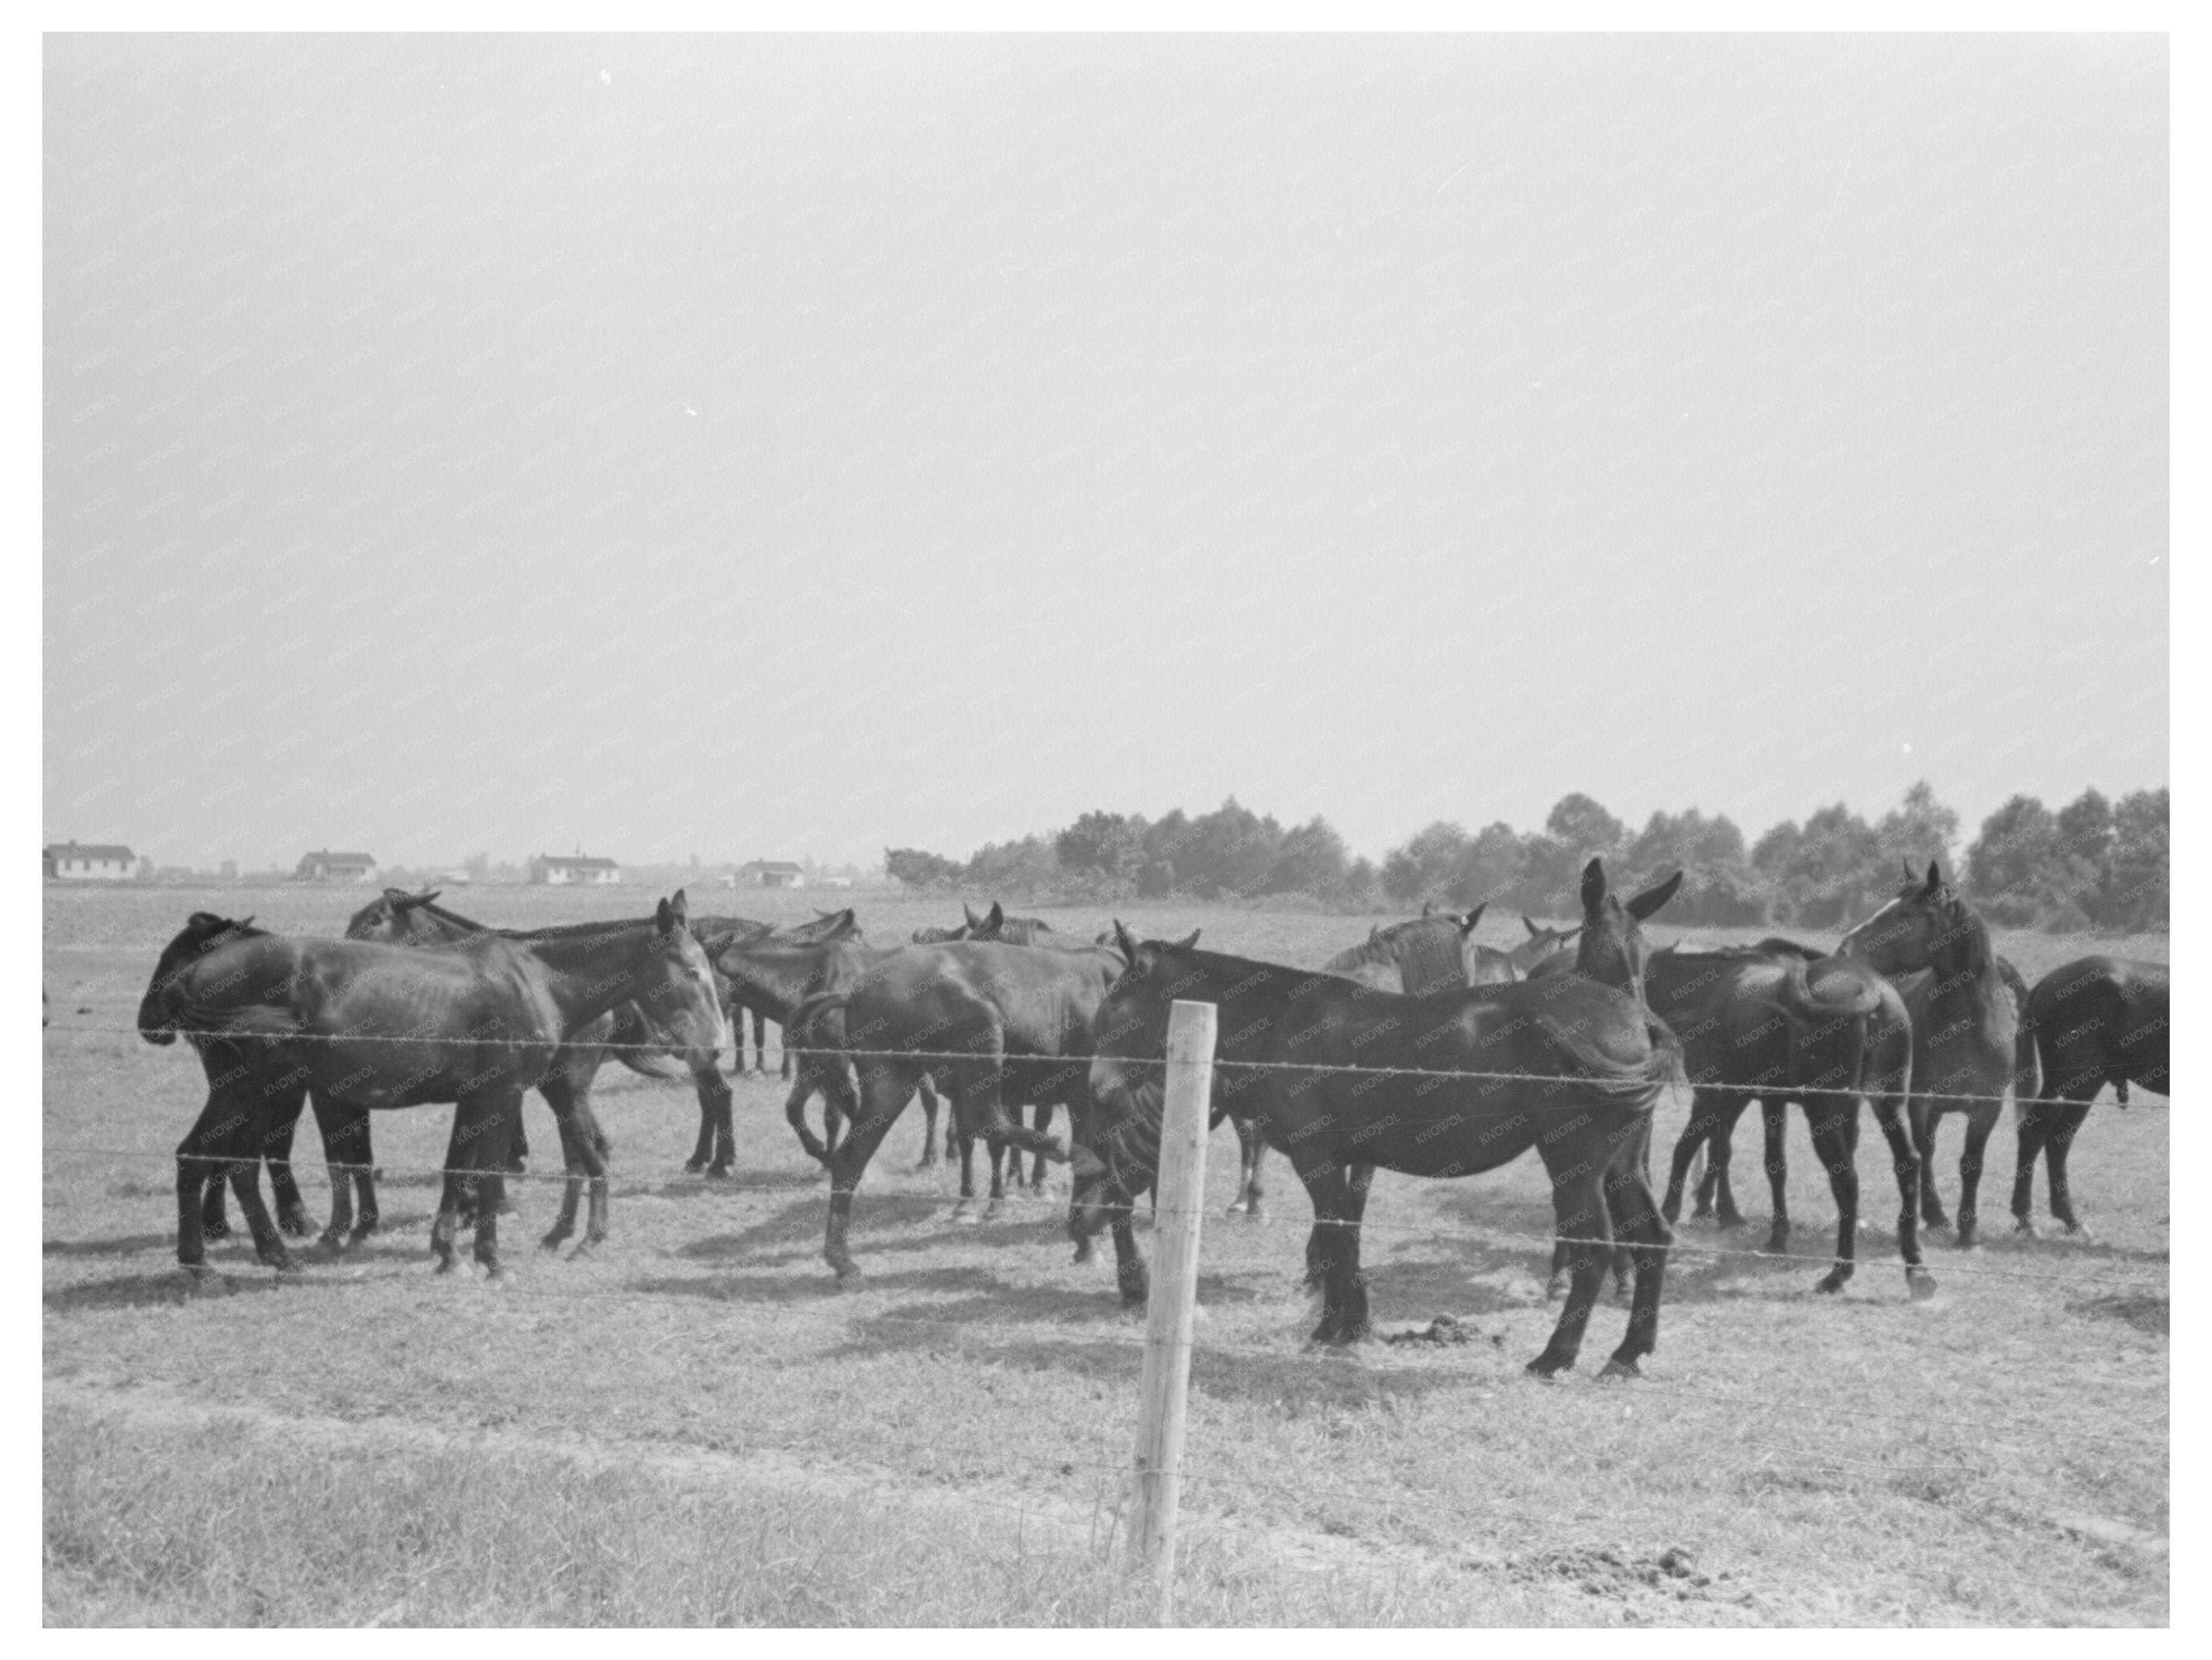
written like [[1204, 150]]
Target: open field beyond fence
[[696, 1425]]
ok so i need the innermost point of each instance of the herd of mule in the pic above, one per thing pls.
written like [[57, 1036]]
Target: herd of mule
[[1417, 1051]]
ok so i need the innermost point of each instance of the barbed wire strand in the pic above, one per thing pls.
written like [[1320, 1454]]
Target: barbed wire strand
[[1029, 1061]]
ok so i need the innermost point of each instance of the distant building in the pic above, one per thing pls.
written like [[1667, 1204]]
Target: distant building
[[561, 870], [833, 882], [455, 878], [769, 873], [327, 866], [81, 862]]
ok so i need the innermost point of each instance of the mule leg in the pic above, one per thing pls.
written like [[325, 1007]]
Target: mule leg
[[794, 1113], [703, 1152], [885, 1091], [1038, 1163], [998, 1171], [1834, 1122], [344, 1134], [268, 1241], [557, 1097], [1579, 1215], [928, 1124], [1720, 1148], [1905, 1158], [202, 1158], [1979, 1123], [1636, 1215], [214, 1212], [283, 1186], [2034, 1133], [1775, 1121], [502, 1117], [1694, 1135], [716, 1124], [2067, 1123], [1130, 1273], [1333, 1247], [1925, 1117], [963, 1211]]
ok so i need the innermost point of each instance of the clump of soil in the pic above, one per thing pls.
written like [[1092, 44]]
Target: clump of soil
[[1445, 1329]]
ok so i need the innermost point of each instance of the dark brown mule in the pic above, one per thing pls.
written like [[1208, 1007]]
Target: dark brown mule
[[713, 932], [990, 1023], [1331, 1071], [1778, 1023], [1966, 1006], [344, 1131], [645, 1036], [2095, 1021], [778, 976], [376, 1026], [994, 926], [645, 1041]]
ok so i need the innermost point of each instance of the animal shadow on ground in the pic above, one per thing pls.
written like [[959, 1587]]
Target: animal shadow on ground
[[150, 1291], [885, 1226], [2145, 1313], [823, 1287], [126, 1244]]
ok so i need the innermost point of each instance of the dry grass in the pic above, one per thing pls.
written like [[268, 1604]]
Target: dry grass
[[697, 1426]]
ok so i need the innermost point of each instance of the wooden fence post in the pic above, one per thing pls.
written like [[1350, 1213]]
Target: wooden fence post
[[1171, 1312]]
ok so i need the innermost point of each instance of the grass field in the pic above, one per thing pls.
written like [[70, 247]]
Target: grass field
[[696, 1426]]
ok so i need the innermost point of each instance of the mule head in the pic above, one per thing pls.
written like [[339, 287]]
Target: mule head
[[675, 986], [389, 916], [1612, 951], [1926, 925], [1466, 923], [203, 931], [1118, 1143]]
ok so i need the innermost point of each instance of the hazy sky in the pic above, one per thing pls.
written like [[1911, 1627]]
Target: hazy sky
[[764, 446]]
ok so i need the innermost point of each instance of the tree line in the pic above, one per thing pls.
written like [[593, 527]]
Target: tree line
[[2094, 864]]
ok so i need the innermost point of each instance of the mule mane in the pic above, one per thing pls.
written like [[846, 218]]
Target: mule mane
[[204, 926], [1426, 948]]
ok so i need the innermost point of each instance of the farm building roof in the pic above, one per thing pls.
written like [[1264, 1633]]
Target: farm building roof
[[576, 862], [784, 865], [86, 850], [329, 858]]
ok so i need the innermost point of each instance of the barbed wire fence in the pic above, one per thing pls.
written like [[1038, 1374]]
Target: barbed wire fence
[[1116, 1473]]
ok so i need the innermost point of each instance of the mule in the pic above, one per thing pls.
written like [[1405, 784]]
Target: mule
[[2095, 1021], [1572, 1068], [1966, 1004], [1018, 1020], [778, 976], [1778, 1023], [375, 1026], [629, 1033]]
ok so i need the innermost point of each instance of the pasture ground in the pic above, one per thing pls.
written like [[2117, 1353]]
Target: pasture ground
[[694, 1425]]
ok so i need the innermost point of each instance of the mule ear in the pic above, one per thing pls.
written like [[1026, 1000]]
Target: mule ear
[[1124, 942], [969, 911], [1935, 880], [1910, 874], [1534, 933], [395, 896], [1428, 909], [1188, 941], [997, 918], [422, 898], [1592, 885], [1651, 898], [1467, 926]]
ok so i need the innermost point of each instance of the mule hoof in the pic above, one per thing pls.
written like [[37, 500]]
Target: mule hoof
[[1054, 1151], [1727, 1222], [554, 1240], [296, 1224], [1084, 1251], [1777, 1244], [2079, 1234], [1833, 1281], [201, 1280], [994, 1210], [213, 1228], [2026, 1228], [1617, 1367], [1238, 1209], [1965, 1239], [500, 1279], [446, 1264], [964, 1215], [1555, 1287], [1548, 1366], [1920, 1283]]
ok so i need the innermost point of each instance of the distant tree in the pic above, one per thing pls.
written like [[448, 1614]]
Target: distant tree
[[1580, 823], [1312, 859], [918, 869], [1423, 868], [1718, 885], [2135, 890], [1488, 867], [1919, 829], [1105, 844], [1027, 869], [1228, 852], [2014, 855]]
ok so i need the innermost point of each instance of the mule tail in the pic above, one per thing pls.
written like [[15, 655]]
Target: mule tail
[[2027, 1061]]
